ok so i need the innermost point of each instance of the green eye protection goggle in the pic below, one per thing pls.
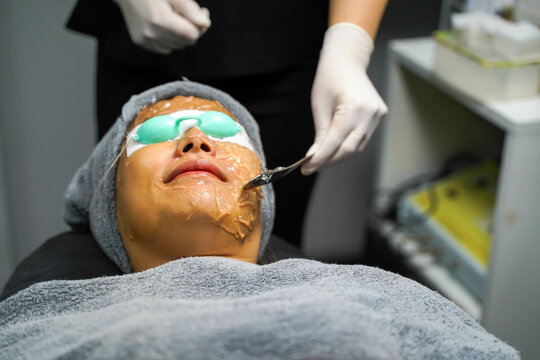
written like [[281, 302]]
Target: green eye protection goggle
[[166, 127]]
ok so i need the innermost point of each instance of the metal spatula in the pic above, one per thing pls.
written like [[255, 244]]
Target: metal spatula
[[274, 174]]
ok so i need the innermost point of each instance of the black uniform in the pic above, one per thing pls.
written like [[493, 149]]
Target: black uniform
[[263, 53]]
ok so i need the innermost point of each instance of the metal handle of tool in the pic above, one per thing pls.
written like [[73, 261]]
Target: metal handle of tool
[[274, 174]]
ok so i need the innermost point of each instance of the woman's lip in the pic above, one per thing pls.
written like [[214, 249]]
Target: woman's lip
[[196, 172], [195, 166]]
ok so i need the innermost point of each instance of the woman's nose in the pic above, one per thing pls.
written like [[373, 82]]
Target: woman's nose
[[195, 141]]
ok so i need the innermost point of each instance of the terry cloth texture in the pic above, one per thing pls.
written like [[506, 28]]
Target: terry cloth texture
[[218, 308], [99, 215]]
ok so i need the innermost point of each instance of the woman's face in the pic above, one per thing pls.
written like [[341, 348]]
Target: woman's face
[[184, 197]]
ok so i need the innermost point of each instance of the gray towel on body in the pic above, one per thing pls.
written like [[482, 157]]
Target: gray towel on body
[[217, 308], [99, 215]]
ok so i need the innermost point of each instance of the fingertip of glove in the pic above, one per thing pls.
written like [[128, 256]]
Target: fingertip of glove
[[307, 171], [312, 150]]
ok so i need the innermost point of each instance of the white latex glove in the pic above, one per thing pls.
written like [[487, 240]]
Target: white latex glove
[[162, 26], [346, 107]]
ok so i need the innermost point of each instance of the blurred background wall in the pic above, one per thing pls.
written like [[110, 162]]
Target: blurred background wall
[[47, 121], [47, 130]]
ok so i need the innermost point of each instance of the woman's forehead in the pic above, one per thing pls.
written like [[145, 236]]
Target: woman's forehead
[[168, 106]]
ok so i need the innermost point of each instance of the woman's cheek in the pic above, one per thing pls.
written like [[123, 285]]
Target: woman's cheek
[[241, 162], [151, 161]]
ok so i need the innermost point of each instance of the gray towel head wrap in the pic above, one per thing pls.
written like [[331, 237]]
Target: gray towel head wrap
[[99, 215]]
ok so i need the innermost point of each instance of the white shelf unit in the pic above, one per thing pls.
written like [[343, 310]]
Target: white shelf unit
[[428, 121]]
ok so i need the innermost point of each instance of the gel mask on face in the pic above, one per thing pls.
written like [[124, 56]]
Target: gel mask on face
[[217, 125]]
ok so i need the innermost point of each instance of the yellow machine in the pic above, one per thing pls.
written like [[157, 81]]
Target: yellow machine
[[453, 215]]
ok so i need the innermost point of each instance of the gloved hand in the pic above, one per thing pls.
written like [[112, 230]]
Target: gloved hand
[[346, 106], [162, 26]]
